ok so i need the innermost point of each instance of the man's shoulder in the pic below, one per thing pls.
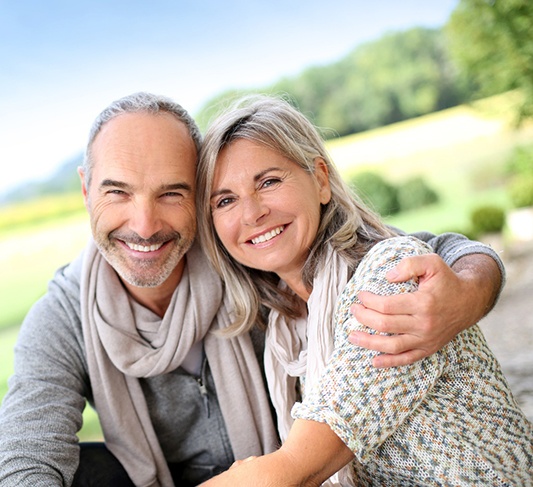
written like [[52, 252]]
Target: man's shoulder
[[68, 277], [61, 302]]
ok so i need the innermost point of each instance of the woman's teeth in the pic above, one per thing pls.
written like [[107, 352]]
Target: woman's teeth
[[267, 236]]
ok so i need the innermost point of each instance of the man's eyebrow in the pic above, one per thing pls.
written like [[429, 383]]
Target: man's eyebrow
[[111, 182], [164, 187], [176, 186]]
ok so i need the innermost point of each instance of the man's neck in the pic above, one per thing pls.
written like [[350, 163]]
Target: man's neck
[[157, 299]]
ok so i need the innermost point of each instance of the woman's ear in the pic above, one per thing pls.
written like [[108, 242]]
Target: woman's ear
[[322, 178]]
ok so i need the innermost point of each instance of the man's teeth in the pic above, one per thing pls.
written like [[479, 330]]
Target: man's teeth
[[144, 248], [267, 236]]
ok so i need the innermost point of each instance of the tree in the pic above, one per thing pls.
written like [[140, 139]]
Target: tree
[[399, 76], [492, 41]]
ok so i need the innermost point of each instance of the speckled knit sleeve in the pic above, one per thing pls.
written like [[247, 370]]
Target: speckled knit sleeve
[[362, 404]]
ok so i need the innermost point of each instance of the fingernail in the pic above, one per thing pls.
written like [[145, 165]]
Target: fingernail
[[354, 338], [392, 274]]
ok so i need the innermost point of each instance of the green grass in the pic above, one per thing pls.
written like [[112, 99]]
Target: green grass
[[461, 153], [29, 256], [50, 207]]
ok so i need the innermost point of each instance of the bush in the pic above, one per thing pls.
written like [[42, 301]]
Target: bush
[[521, 162], [521, 192], [377, 193], [487, 219], [415, 193]]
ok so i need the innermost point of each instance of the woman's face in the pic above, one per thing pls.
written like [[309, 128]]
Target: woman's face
[[266, 208]]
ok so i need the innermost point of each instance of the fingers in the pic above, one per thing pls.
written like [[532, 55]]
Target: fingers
[[390, 344], [415, 266], [407, 358], [387, 314], [396, 350]]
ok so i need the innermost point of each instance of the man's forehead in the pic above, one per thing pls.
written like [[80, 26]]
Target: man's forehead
[[142, 145], [135, 124]]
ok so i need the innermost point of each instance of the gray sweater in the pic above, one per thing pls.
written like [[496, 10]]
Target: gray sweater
[[42, 411]]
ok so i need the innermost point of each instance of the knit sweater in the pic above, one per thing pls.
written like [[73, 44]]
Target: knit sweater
[[447, 420]]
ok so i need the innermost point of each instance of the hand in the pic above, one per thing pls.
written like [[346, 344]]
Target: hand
[[447, 302], [236, 463]]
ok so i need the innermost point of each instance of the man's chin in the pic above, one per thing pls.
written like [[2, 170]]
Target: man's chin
[[143, 281]]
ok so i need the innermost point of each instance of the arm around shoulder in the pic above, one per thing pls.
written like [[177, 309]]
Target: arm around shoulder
[[481, 263]]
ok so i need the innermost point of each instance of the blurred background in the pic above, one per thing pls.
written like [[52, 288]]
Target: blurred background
[[426, 107]]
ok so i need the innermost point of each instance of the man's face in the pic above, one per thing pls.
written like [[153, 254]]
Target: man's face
[[141, 197]]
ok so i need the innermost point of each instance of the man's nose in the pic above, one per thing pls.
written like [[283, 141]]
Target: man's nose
[[145, 219]]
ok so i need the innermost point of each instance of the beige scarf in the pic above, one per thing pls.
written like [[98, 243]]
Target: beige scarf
[[296, 348], [118, 354]]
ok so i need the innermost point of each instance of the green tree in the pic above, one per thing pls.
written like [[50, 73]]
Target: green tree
[[397, 77], [492, 41]]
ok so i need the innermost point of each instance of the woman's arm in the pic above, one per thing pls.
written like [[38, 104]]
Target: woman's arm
[[423, 322], [311, 454]]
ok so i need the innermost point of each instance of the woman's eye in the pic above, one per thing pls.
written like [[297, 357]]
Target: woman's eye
[[270, 182], [223, 202]]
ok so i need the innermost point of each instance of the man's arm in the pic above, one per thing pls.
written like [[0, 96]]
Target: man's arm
[[42, 411], [468, 274]]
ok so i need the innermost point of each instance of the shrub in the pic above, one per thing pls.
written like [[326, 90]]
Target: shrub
[[376, 192], [487, 219], [521, 191], [521, 162], [415, 193]]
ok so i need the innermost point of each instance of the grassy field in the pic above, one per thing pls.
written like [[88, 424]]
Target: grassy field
[[461, 152], [29, 257]]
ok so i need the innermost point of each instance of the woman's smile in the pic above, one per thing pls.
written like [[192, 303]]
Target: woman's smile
[[265, 237]]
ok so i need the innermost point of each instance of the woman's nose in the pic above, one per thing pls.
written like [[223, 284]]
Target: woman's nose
[[253, 209]]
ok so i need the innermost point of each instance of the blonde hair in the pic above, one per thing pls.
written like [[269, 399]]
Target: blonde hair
[[346, 223]]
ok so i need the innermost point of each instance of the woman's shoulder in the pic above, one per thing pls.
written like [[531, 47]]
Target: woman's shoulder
[[370, 274]]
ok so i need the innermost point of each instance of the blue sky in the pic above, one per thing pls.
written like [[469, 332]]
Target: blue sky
[[63, 61]]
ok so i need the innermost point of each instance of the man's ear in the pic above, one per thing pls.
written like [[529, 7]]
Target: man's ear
[[322, 177], [81, 174]]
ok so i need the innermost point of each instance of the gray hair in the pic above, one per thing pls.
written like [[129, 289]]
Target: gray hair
[[140, 102], [346, 223]]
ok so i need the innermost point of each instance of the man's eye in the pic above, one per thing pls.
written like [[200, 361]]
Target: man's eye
[[116, 191]]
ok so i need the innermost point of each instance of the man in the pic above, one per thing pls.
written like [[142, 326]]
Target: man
[[127, 326]]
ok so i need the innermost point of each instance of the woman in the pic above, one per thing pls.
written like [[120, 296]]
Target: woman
[[286, 233]]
